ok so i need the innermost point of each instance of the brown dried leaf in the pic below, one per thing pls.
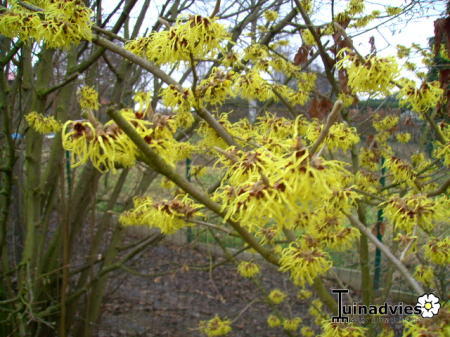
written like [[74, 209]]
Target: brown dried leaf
[[320, 107], [302, 55]]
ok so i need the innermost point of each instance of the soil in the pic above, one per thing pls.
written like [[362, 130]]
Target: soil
[[175, 297]]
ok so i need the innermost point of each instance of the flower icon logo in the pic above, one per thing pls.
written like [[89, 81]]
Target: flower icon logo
[[429, 304]]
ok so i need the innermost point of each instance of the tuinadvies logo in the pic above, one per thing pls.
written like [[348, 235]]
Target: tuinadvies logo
[[427, 306]]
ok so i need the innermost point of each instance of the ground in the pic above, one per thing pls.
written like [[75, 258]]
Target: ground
[[176, 296]]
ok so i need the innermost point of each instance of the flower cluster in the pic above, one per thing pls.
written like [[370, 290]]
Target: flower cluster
[[88, 98], [167, 215], [106, 146], [304, 263], [421, 99], [411, 210], [248, 269], [216, 88], [42, 124], [370, 75], [438, 251], [270, 15], [195, 37], [59, 24], [277, 296], [292, 324], [215, 327], [425, 274]]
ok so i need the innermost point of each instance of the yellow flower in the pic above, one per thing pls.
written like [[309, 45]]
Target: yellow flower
[[304, 263], [76, 137], [438, 326], [411, 210], [401, 170], [196, 37], [252, 86], [168, 215], [355, 6], [391, 11], [341, 136], [59, 24], [372, 75], [89, 98], [292, 324], [342, 330], [421, 99], [273, 321], [425, 274], [217, 87], [215, 327], [307, 331], [347, 100], [270, 15], [308, 38], [438, 251], [403, 137], [385, 124], [42, 124], [402, 51], [248, 269], [315, 309], [277, 296], [304, 294]]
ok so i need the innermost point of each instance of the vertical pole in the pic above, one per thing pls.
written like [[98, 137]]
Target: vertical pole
[[380, 219]]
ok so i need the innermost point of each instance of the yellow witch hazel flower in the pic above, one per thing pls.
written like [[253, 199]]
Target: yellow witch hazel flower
[[304, 294], [385, 124], [106, 146], [273, 321], [401, 170], [60, 24], [304, 263], [167, 215], [292, 324], [315, 310], [438, 251], [88, 98], [341, 136], [355, 6], [404, 137], [248, 269], [216, 88], [342, 330], [370, 75], [42, 124], [77, 140], [411, 210], [270, 15], [436, 327], [252, 86], [425, 274], [333, 235], [308, 38], [277, 296], [421, 99], [196, 37], [442, 150], [307, 331], [215, 327]]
